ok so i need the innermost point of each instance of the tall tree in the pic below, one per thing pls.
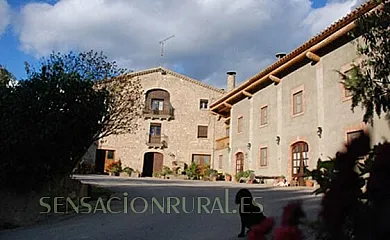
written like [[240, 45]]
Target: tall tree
[[50, 119], [369, 81]]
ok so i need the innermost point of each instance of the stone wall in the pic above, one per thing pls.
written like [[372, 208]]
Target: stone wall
[[181, 132]]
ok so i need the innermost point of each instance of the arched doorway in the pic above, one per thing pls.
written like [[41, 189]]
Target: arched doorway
[[239, 162], [300, 159], [153, 162]]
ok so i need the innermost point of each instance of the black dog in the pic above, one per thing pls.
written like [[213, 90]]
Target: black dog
[[250, 214]]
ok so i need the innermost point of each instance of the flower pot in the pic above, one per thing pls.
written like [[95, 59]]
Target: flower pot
[[309, 183]]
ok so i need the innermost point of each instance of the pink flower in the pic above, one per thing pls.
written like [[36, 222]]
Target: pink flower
[[259, 231], [289, 230]]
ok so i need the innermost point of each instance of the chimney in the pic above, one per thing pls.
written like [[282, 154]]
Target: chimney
[[280, 55], [231, 80]]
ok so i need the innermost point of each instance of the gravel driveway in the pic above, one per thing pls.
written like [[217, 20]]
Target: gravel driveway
[[204, 210]]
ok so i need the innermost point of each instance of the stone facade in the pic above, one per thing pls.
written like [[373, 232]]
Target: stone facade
[[178, 128], [319, 130]]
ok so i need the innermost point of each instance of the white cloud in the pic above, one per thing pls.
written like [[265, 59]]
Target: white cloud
[[321, 18], [5, 16], [211, 36]]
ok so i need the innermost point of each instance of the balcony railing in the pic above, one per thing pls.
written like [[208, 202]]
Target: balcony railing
[[166, 113], [222, 143], [157, 141]]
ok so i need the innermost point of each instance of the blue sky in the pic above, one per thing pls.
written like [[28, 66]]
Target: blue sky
[[203, 50]]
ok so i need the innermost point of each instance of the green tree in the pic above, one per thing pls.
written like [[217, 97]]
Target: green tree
[[50, 119], [6, 77], [369, 80]]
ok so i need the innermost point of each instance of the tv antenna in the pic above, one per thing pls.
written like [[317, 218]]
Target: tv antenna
[[162, 44]]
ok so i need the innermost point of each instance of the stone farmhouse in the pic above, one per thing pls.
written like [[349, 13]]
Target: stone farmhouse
[[296, 110], [176, 129]]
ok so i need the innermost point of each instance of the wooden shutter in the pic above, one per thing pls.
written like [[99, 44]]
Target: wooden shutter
[[239, 124], [202, 131], [264, 117], [263, 156], [297, 103]]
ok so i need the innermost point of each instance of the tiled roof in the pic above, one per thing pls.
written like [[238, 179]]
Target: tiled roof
[[178, 75]]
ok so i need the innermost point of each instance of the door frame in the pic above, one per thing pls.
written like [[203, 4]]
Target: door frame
[[153, 163], [236, 161], [302, 159]]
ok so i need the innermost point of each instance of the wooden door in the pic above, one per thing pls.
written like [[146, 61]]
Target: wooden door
[[239, 162], [158, 160], [300, 159], [109, 158], [100, 161]]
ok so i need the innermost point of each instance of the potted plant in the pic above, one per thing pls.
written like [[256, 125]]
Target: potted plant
[[166, 171], [114, 168], [228, 177], [309, 182], [193, 171], [127, 171], [157, 175]]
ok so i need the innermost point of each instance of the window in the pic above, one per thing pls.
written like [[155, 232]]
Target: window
[[220, 158], [155, 133], [157, 104], [264, 115], [201, 159], [239, 124], [347, 93], [239, 162], [227, 131], [204, 104], [297, 102], [110, 154], [202, 131], [263, 156], [353, 135], [300, 158]]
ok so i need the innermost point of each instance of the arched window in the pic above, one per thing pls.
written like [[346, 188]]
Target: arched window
[[239, 162], [158, 102]]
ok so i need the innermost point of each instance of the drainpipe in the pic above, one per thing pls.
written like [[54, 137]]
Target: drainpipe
[[213, 139]]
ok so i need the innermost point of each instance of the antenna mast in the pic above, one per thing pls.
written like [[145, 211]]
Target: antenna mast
[[162, 44]]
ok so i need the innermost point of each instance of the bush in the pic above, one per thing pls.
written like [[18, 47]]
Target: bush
[[356, 192], [193, 171], [85, 168], [128, 170], [166, 171], [114, 167], [244, 174]]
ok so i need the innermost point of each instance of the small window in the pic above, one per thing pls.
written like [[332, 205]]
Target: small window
[[347, 93], [110, 154], [263, 156], [264, 115], [353, 135], [239, 124], [157, 104], [202, 131], [227, 131], [155, 129], [220, 159], [204, 104], [297, 103], [201, 159]]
